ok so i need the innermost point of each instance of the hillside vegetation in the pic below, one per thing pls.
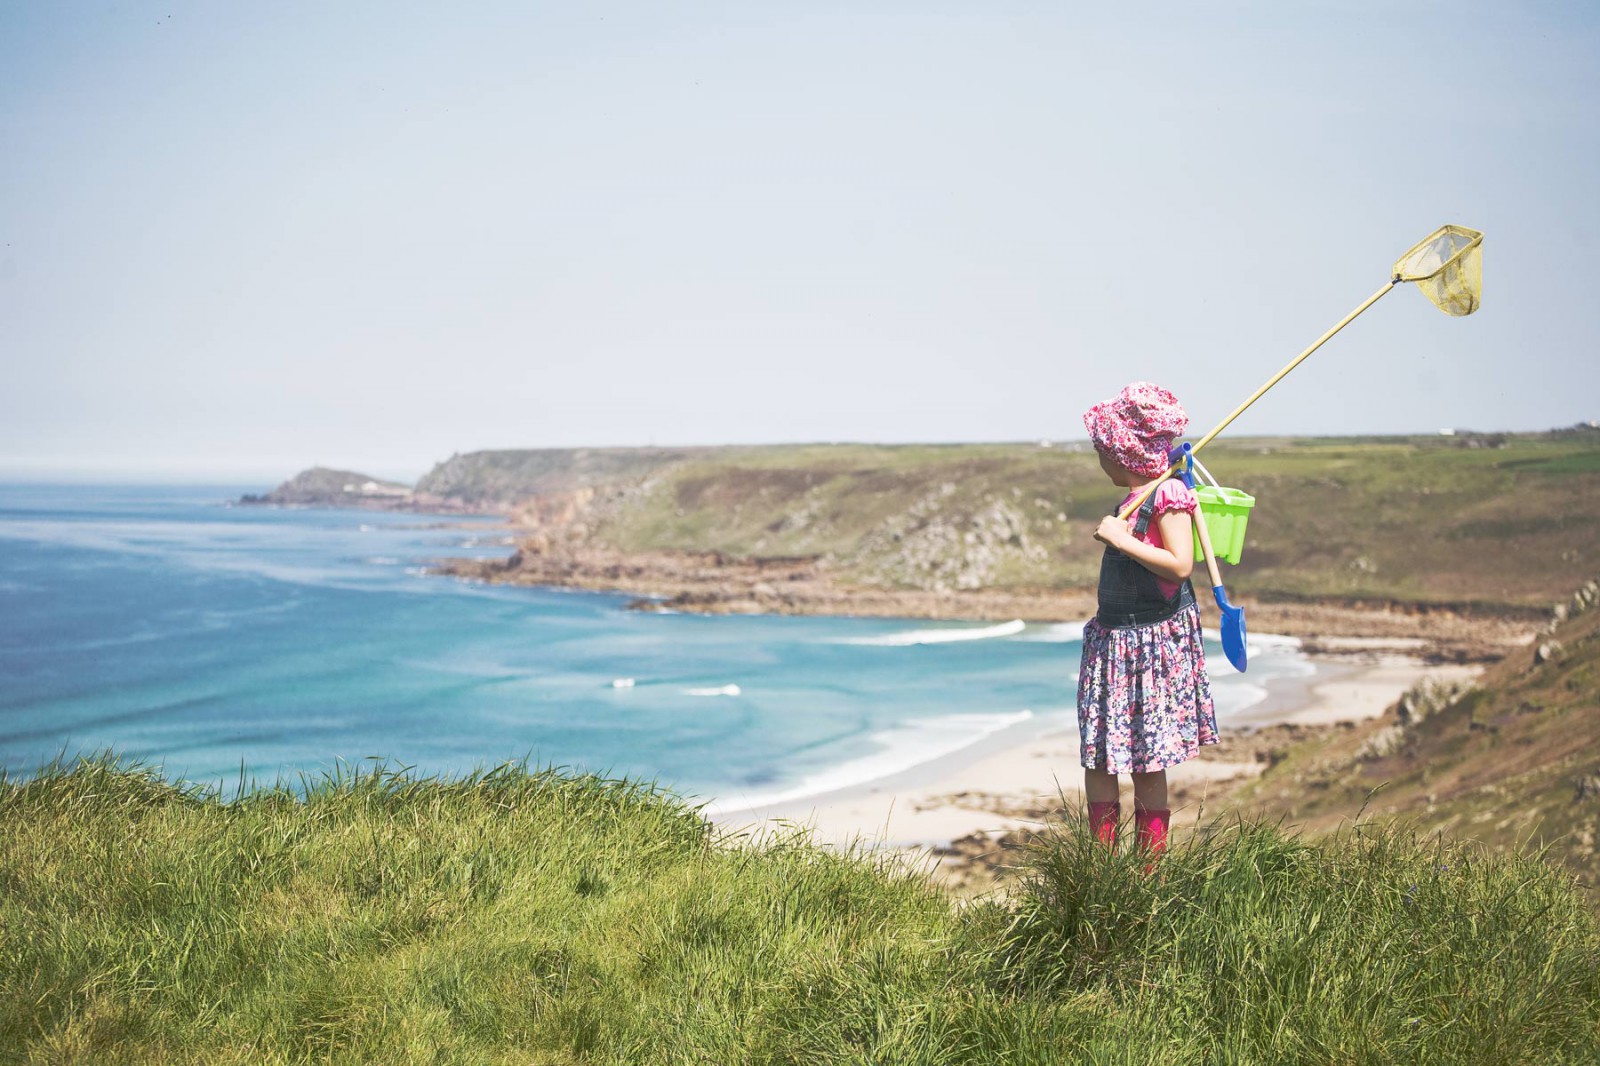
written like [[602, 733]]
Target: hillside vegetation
[[1512, 761], [1497, 522], [1464, 520], [531, 916], [502, 479]]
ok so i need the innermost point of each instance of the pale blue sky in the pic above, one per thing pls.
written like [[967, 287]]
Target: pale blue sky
[[243, 238]]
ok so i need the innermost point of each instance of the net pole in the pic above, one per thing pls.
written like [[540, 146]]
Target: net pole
[[1273, 380]]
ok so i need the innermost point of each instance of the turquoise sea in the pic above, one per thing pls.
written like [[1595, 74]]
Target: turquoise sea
[[226, 643]]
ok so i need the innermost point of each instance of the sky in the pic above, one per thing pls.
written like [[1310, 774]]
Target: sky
[[241, 239]]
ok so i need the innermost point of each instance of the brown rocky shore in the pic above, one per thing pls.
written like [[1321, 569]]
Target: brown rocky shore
[[715, 583]]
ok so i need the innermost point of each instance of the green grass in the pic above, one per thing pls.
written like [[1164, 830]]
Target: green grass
[[534, 916], [1363, 946]]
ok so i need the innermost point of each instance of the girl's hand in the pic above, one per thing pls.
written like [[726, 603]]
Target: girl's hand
[[1112, 530]]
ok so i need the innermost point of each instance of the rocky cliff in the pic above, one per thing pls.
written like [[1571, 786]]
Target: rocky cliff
[[499, 480], [1512, 760], [1489, 523]]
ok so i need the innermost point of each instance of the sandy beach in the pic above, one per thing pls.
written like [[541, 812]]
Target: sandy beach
[[1366, 655], [999, 786]]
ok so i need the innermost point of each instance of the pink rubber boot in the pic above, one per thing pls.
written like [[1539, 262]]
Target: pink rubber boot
[[1103, 822], [1150, 833]]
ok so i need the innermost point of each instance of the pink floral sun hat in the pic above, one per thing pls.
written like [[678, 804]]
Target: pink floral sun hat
[[1136, 427]]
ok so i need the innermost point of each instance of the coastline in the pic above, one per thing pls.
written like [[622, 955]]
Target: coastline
[[949, 809], [944, 810], [715, 583]]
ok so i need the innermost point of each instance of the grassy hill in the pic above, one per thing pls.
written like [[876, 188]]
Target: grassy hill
[[1513, 761], [1465, 520], [536, 917], [502, 479]]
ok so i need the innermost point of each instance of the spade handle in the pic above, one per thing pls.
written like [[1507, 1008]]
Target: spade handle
[[1205, 546]]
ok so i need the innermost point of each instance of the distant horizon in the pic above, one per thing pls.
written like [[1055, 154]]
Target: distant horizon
[[24, 471]]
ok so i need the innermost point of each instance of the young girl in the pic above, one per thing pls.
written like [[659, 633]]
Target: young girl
[[1144, 702]]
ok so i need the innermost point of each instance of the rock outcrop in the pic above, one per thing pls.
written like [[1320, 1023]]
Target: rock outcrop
[[324, 487]]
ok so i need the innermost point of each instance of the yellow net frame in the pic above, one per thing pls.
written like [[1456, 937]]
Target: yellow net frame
[[1447, 265]]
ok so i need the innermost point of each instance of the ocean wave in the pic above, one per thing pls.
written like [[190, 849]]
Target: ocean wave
[[1284, 651], [1258, 641], [720, 690], [938, 636], [1053, 633], [63, 727], [270, 552], [899, 748], [1237, 696], [487, 542]]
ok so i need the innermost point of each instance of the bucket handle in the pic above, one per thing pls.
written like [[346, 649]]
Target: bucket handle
[[1182, 459]]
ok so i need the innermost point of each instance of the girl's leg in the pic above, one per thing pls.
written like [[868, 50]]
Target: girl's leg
[[1105, 805], [1150, 812], [1102, 787], [1150, 791]]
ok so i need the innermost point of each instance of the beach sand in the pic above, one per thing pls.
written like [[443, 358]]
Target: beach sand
[[1003, 787]]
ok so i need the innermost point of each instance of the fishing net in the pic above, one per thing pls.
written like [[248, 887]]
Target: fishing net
[[1447, 266]]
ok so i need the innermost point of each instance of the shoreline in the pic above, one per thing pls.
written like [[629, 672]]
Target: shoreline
[[712, 582], [1015, 780], [951, 811]]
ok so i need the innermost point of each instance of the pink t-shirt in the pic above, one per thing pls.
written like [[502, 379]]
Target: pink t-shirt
[[1172, 495]]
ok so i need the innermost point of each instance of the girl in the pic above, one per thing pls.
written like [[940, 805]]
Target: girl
[[1144, 702]]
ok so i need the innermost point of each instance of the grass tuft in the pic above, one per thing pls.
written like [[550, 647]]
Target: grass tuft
[[1370, 944], [534, 915]]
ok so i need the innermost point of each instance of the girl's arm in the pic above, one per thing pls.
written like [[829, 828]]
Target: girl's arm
[[1171, 564]]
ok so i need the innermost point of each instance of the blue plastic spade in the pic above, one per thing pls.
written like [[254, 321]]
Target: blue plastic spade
[[1233, 632], [1233, 628]]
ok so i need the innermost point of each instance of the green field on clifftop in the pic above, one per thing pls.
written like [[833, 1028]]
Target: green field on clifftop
[[1457, 520], [1497, 521]]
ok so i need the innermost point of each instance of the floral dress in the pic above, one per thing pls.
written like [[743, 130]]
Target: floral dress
[[1144, 700]]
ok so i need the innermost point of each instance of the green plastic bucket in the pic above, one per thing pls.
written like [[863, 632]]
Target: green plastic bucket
[[1226, 511]]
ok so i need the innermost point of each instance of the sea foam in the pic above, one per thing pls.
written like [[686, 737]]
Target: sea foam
[[943, 635], [719, 690], [898, 749], [1053, 633]]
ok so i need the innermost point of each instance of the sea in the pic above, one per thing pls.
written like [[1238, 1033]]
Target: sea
[[232, 646]]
